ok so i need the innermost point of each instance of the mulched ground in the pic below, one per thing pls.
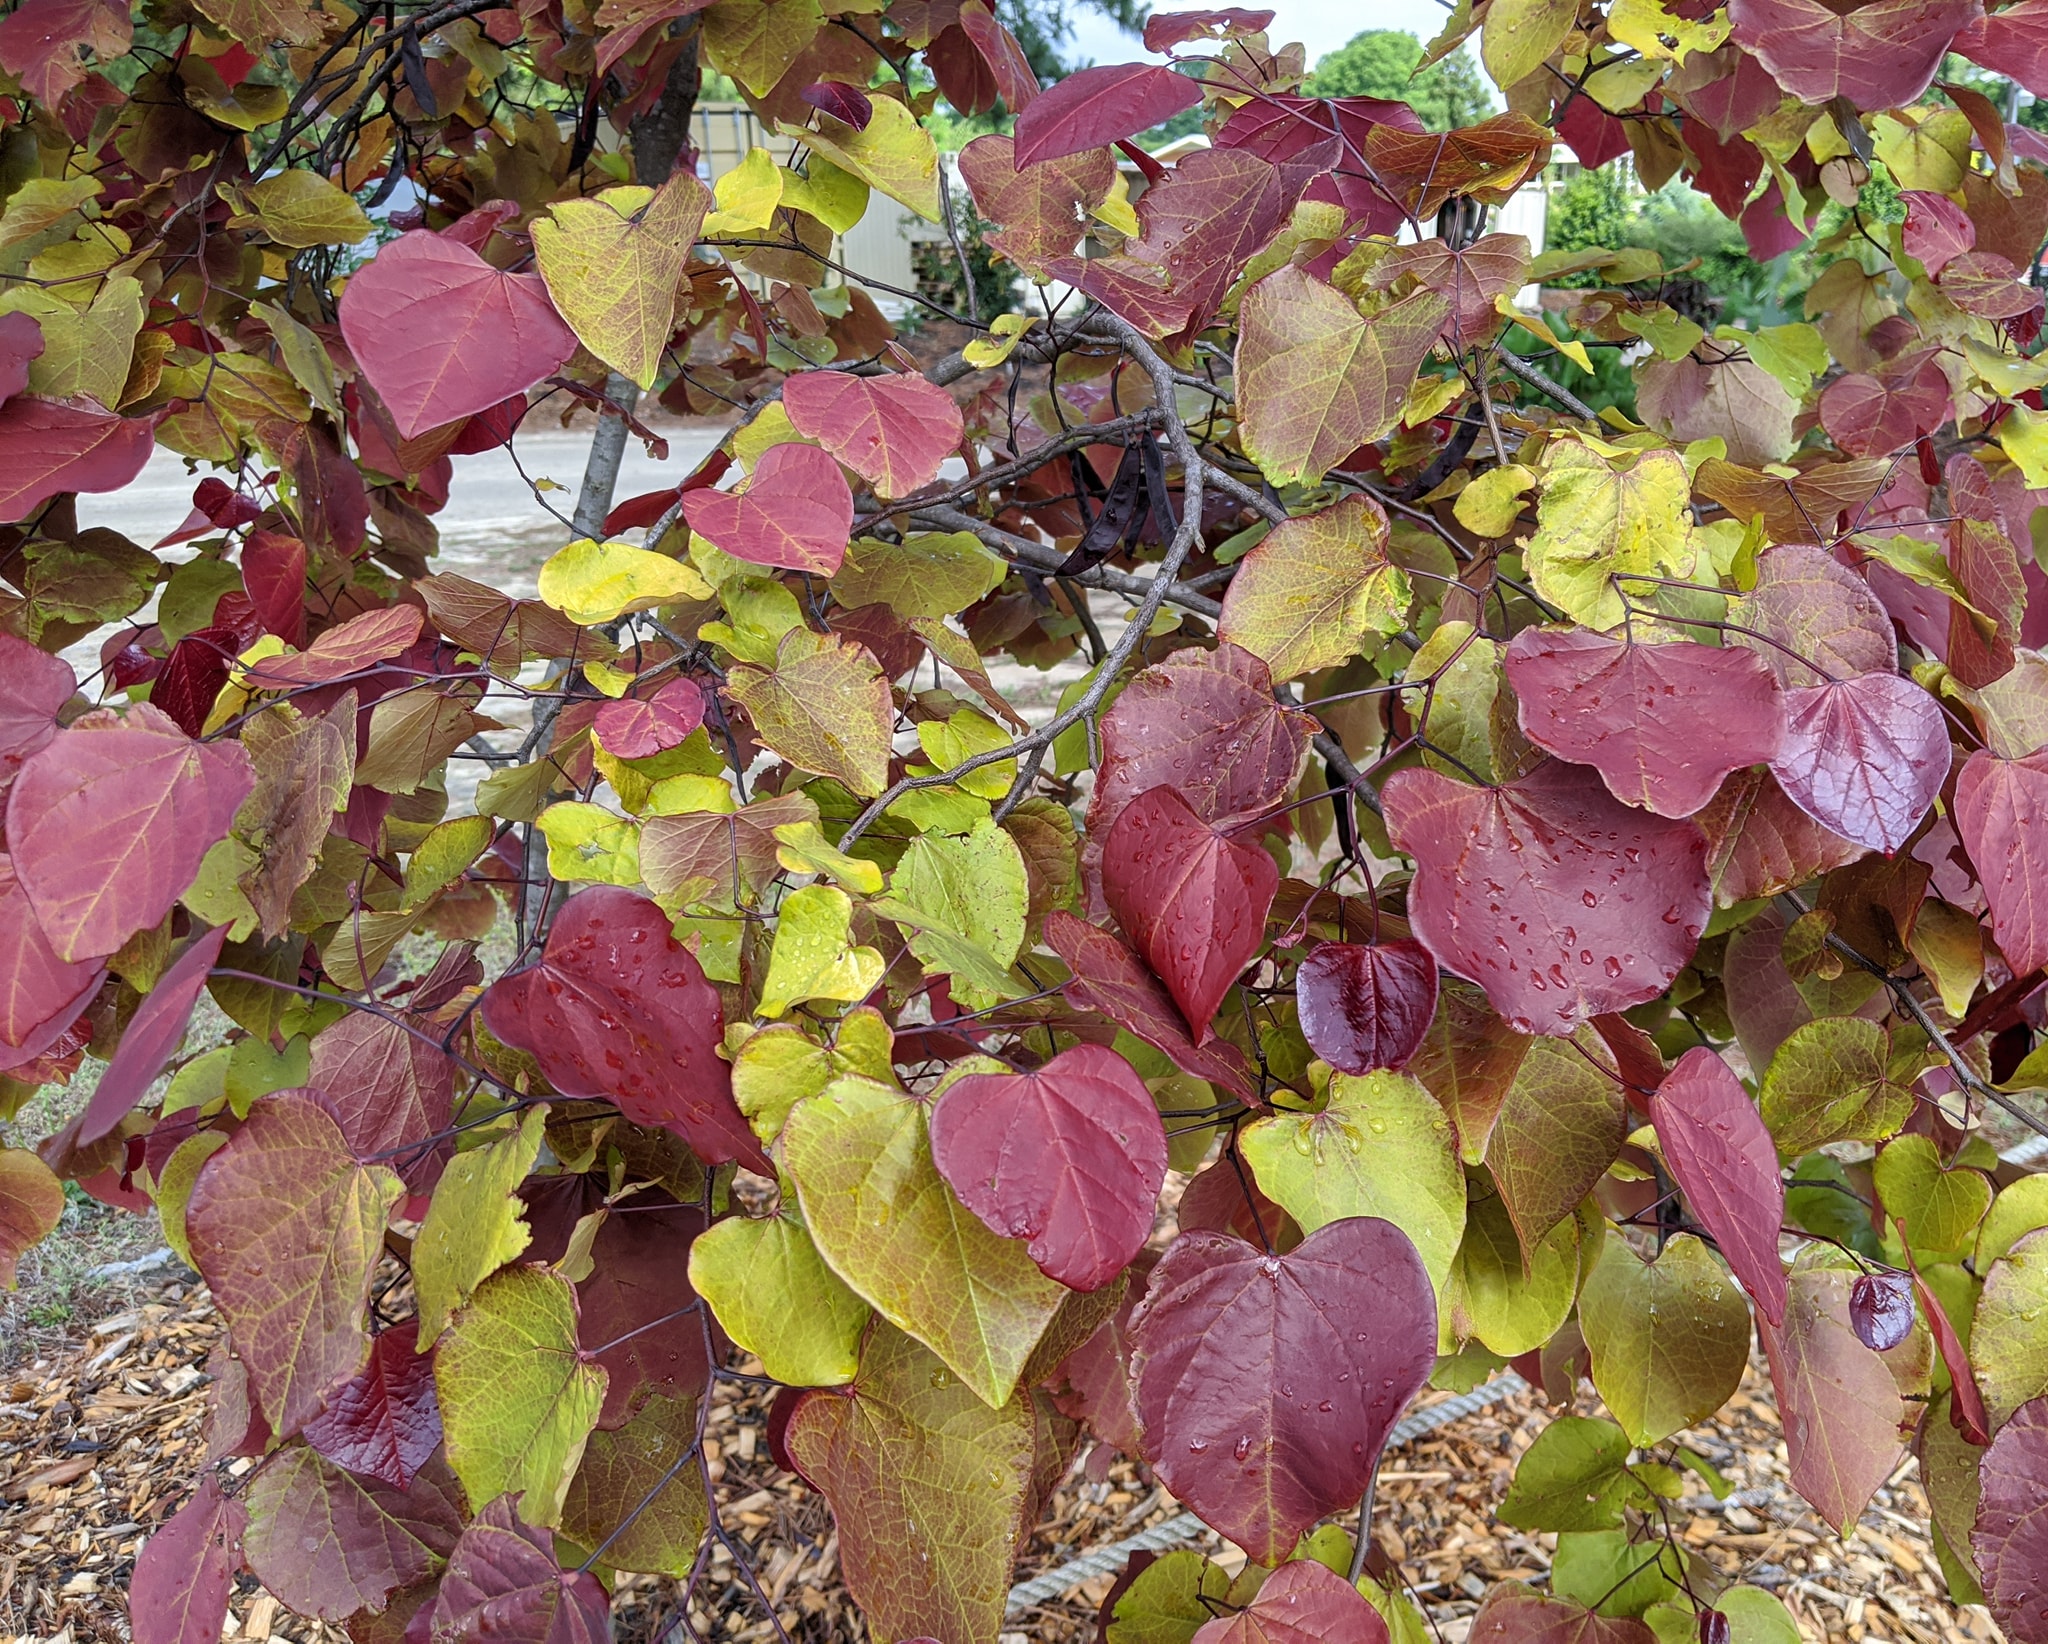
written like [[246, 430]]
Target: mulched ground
[[98, 1444]]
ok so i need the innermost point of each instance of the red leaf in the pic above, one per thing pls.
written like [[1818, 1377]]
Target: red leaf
[[1093, 1383], [2011, 1535], [40, 994], [1759, 843], [845, 103], [1193, 899], [1167, 29], [1366, 1005], [1864, 756], [1109, 978], [33, 686], [1096, 106], [618, 1008], [152, 1037], [1984, 560], [329, 1544], [892, 431], [179, 1592], [1205, 725], [1937, 229], [1266, 1385], [385, 1422], [360, 642], [1302, 1602], [1810, 605], [2013, 42], [634, 1312], [1662, 724], [441, 334], [41, 40], [391, 1092], [1592, 134], [1966, 1400], [274, 577], [1987, 285], [2001, 812], [1070, 1156], [48, 446], [503, 1583], [796, 512], [1881, 1310], [109, 822], [1874, 416], [1514, 1614], [21, 340], [192, 676], [1723, 1159], [1561, 902], [1016, 83], [641, 727], [1881, 56]]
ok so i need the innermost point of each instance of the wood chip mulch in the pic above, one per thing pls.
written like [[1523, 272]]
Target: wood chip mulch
[[100, 1443]]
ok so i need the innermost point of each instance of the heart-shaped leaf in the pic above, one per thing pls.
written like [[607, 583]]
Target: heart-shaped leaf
[[796, 512], [1662, 724], [612, 264], [1302, 1602], [892, 431], [386, 1421], [1865, 756], [331, 1544], [503, 1579], [641, 727], [48, 446], [1266, 1385], [618, 1008], [1366, 1005], [1193, 898], [1879, 56], [1070, 1156], [1561, 902], [1715, 1142]]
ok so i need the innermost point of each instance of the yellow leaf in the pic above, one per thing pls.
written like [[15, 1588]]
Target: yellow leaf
[[813, 957], [302, 208], [1598, 522], [41, 204], [1428, 397], [755, 41], [2023, 436], [592, 582], [1490, 505], [610, 681], [1519, 35], [1931, 155], [837, 198], [1571, 349], [613, 264], [1309, 594], [771, 428], [995, 348], [1116, 212], [587, 842], [894, 154], [747, 195], [1646, 24]]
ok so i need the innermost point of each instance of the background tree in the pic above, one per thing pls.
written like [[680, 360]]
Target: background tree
[[1382, 63]]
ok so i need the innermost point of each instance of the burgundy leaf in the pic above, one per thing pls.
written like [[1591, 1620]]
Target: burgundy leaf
[[152, 1037], [1109, 978], [1302, 1602], [391, 1091], [2001, 814], [1662, 724], [1514, 1614], [1878, 57], [1724, 1161], [1872, 416], [1966, 1398], [1095, 107], [618, 1008], [796, 512], [40, 994], [1759, 843], [1937, 230], [48, 446], [33, 686], [843, 102], [1366, 1005], [1808, 604], [2012, 41], [1167, 29], [385, 1422], [373, 637], [441, 334], [274, 577], [1070, 1156], [1266, 1385], [333, 1545], [892, 431], [21, 340], [1561, 902], [641, 727], [192, 676], [1206, 725], [179, 1592], [635, 1310], [110, 820], [1982, 555], [1093, 1383], [1987, 285], [2011, 1535], [1016, 82], [1881, 1310], [504, 1584], [1193, 899], [1864, 757]]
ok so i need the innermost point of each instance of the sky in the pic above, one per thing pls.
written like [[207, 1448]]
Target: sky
[[1320, 25]]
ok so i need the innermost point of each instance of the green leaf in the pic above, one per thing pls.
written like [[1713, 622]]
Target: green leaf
[[1308, 595], [1519, 34], [593, 582], [1830, 1081], [302, 208], [1669, 1339], [890, 1227], [1457, 701], [1380, 1147], [1597, 521], [1940, 1208], [814, 957], [173, 1186], [475, 1223], [755, 41], [2020, 1207], [587, 842], [837, 198], [927, 574], [1496, 1297], [967, 898], [1170, 1600], [1491, 503], [1611, 1575], [2008, 1345], [802, 847], [774, 1295], [824, 707], [1574, 1477], [441, 858], [518, 1402], [629, 1497]]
